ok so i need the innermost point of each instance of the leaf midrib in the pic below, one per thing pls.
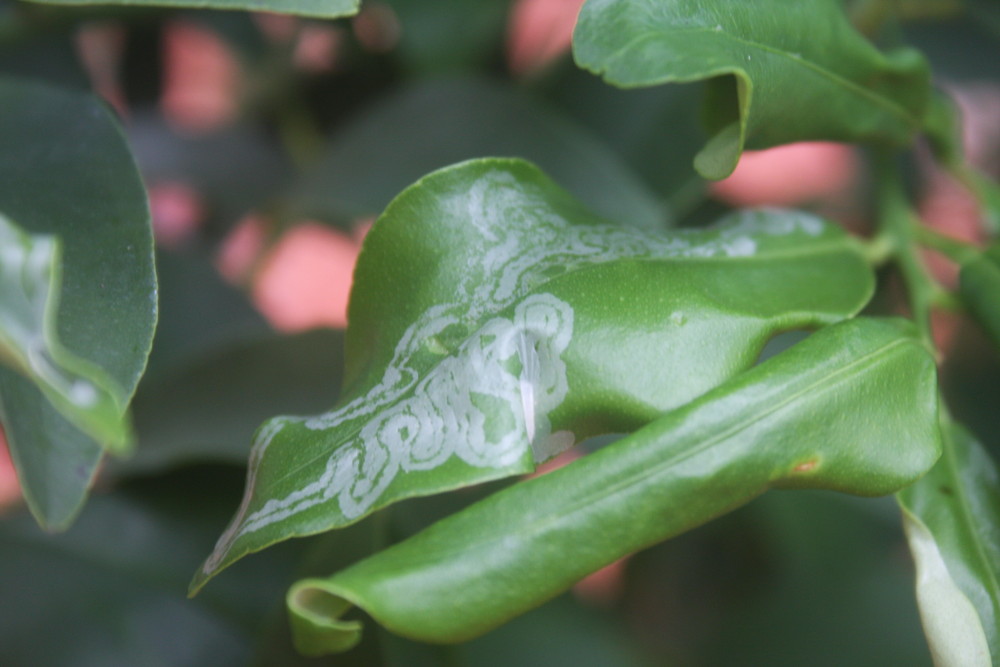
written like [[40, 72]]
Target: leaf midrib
[[831, 380], [830, 247]]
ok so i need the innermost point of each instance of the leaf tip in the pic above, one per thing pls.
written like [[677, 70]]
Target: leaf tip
[[315, 611]]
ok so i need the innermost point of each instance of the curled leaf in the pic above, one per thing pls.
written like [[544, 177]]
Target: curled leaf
[[770, 427], [494, 321], [778, 71]]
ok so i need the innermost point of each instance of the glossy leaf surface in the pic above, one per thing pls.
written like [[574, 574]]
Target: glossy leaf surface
[[329, 9], [780, 70], [30, 280], [979, 285], [83, 189], [767, 428], [952, 519], [494, 321]]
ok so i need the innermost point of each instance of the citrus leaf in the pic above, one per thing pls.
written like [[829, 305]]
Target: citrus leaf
[[767, 428], [768, 62], [952, 520], [329, 9], [67, 174], [30, 280], [494, 320]]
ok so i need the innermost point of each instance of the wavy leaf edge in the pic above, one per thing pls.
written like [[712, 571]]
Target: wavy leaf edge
[[316, 605], [522, 307], [718, 158]]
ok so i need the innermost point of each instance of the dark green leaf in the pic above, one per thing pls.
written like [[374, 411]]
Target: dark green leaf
[[200, 313], [55, 461], [329, 9], [434, 124], [662, 134], [109, 591], [802, 578], [50, 56], [494, 320], [66, 173], [30, 281], [952, 519], [209, 410], [769, 427], [563, 632], [779, 71], [447, 36]]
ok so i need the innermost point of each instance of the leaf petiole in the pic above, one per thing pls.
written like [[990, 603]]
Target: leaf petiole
[[898, 223]]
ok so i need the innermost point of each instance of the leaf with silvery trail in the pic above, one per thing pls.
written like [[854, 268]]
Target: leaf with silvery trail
[[770, 427], [30, 280], [79, 303], [778, 71], [495, 321]]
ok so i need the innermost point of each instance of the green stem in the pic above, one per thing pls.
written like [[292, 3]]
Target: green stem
[[955, 250], [899, 225], [879, 250]]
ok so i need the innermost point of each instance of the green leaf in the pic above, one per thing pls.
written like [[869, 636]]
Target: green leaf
[[67, 174], [660, 139], [328, 9], [208, 410], [434, 124], [29, 297], [55, 461], [807, 578], [109, 587], [494, 321], [979, 286], [779, 71], [767, 428], [952, 520]]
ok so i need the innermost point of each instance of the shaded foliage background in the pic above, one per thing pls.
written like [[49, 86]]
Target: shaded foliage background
[[810, 578]]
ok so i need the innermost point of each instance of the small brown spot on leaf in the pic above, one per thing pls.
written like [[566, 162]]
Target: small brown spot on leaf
[[805, 466]]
